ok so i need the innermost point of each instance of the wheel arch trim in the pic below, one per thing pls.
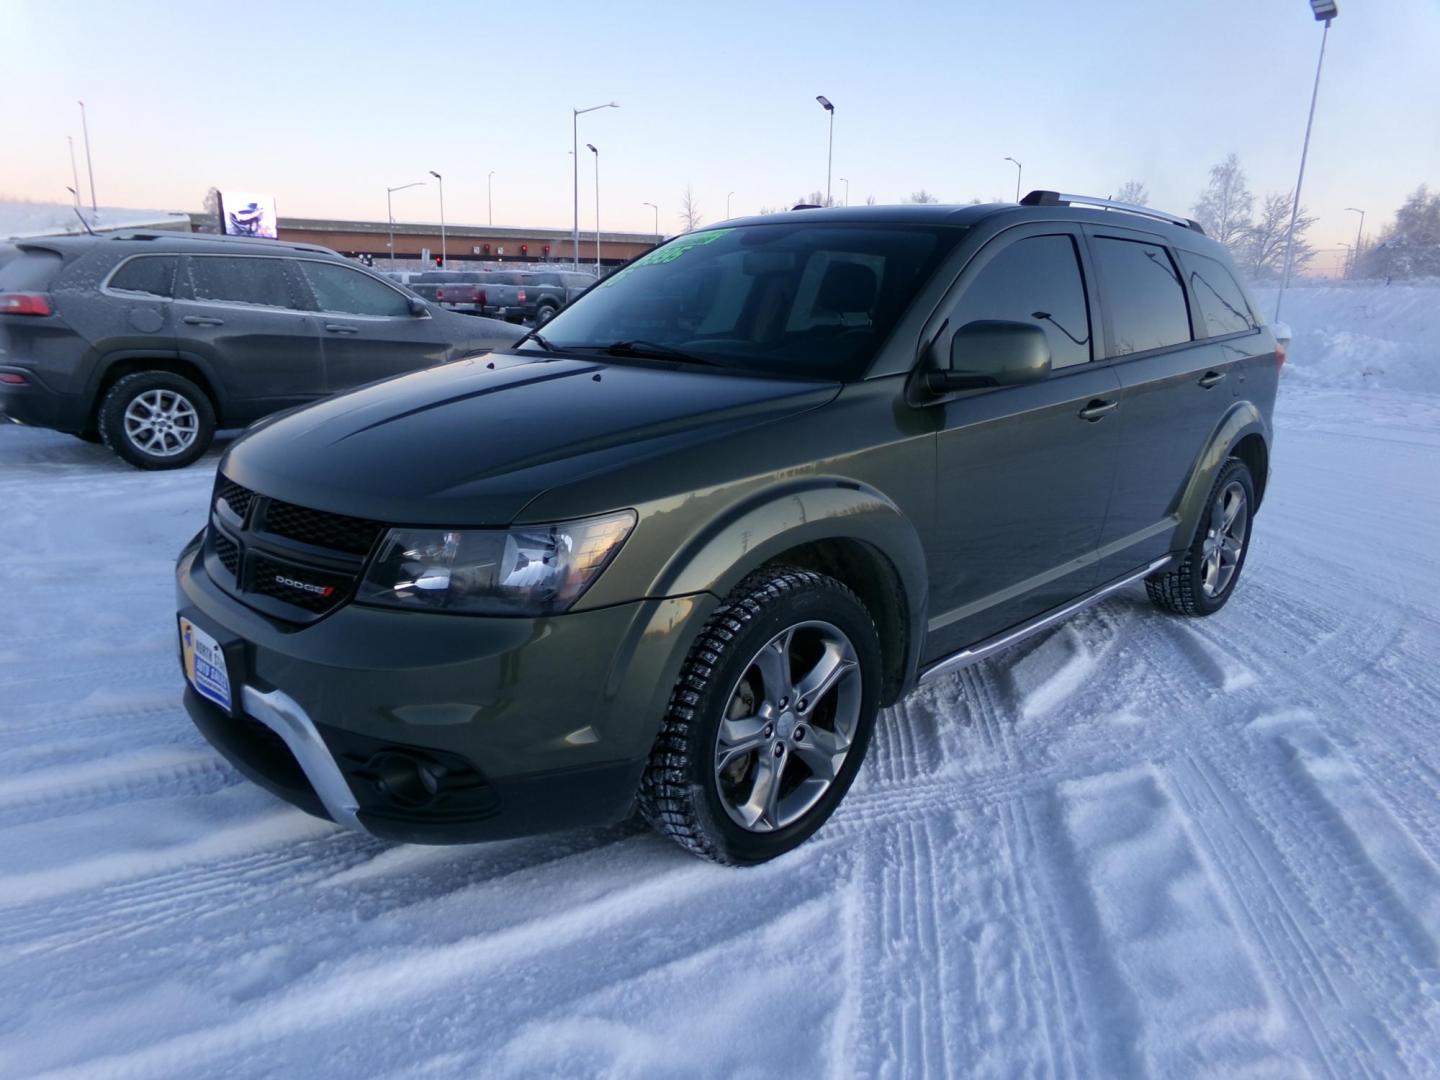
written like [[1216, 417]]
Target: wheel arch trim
[[1242, 421]]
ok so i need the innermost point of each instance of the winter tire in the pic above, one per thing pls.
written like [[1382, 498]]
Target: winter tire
[[769, 721], [1205, 578], [157, 420]]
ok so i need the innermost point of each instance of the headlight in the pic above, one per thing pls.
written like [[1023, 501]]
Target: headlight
[[527, 570]]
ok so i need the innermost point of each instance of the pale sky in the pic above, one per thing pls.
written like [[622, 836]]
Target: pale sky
[[326, 104]]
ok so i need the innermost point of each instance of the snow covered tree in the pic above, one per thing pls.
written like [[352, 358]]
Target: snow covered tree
[[1226, 205], [1410, 245], [1134, 193], [922, 196], [869, 200], [1262, 256], [690, 211]]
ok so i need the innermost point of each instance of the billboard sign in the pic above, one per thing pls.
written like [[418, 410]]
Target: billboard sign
[[246, 214]]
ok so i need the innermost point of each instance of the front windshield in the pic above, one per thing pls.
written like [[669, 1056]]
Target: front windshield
[[792, 298]]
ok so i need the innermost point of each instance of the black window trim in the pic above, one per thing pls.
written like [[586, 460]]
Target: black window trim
[[285, 259], [129, 294], [315, 299]]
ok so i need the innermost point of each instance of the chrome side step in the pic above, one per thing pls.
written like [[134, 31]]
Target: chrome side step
[[989, 647]]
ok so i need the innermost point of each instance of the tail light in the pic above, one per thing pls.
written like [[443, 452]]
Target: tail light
[[13, 378], [439, 294], [1283, 334], [1281, 348], [24, 303], [520, 296]]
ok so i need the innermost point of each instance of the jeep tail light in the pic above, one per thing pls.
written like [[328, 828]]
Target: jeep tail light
[[25, 303], [13, 378]]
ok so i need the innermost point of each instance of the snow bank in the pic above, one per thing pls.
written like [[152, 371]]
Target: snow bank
[[1363, 334]]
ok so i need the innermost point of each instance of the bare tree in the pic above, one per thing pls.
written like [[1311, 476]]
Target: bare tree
[[1226, 205], [1263, 257], [690, 211], [869, 200], [1410, 245], [922, 196], [1134, 193]]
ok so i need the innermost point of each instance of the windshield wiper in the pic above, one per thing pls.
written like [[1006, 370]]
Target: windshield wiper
[[539, 339], [650, 350]]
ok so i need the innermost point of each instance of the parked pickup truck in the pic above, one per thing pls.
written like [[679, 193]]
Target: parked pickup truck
[[458, 290], [547, 291]]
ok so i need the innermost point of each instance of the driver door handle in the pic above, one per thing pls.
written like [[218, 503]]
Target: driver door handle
[[340, 328], [1098, 410], [1210, 378]]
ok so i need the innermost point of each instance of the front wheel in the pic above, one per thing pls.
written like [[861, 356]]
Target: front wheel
[[769, 721], [157, 420]]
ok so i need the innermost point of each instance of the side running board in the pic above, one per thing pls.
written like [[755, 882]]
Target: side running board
[[990, 646]]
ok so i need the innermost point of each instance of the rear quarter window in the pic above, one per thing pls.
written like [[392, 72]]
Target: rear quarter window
[[1224, 308], [149, 275]]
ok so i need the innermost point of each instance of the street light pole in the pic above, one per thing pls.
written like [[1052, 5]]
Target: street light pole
[[597, 207], [1019, 170], [1358, 230], [727, 204], [444, 255], [390, 214], [657, 221], [575, 168], [89, 164], [847, 190], [490, 196], [830, 154], [1325, 11]]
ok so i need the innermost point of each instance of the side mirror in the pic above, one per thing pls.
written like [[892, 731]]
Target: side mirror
[[992, 353], [418, 307]]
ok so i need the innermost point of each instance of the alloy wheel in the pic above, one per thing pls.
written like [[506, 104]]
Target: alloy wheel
[[1225, 541], [788, 726], [161, 422]]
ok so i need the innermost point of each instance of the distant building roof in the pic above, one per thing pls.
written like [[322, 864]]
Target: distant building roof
[[19, 219]]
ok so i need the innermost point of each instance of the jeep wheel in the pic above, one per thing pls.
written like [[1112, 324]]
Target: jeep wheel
[[769, 721], [157, 420], [1206, 576]]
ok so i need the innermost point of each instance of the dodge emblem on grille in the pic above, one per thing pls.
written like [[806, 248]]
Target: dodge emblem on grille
[[304, 586]]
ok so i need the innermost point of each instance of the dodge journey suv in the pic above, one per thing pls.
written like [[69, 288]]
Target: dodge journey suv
[[149, 341], [674, 551]]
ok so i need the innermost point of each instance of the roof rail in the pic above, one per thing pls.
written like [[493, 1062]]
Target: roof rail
[[1055, 198]]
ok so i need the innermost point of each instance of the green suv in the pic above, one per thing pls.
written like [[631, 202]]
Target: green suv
[[676, 549]]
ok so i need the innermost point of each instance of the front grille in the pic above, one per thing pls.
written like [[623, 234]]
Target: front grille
[[303, 587], [228, 552], [288, 561], [354, 536], [234, 496]]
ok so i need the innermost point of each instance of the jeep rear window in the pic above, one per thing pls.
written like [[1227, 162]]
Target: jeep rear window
[[793, 298], [30, 271]]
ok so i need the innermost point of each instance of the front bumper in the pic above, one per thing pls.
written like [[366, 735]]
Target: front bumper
[[520, 726]]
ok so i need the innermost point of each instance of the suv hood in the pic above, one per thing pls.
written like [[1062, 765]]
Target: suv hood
[[470, 443]]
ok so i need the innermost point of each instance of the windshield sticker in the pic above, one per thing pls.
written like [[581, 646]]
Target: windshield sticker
[[670, 252]]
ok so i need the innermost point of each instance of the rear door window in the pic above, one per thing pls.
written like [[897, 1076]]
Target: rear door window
[[1143, 294], [1222, 303], [148, 275], [236, 279], [1035, 280], [341, 289]]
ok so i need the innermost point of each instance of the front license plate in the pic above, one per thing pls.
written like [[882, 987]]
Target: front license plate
[[204, 664]]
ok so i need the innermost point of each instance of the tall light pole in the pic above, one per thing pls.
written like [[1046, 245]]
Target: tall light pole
[[390, 214], [1324, 11], [490, 195], [847, 190], [1019, 171], [1358, 230], [657, 221], [830, 154], [575, 166], [444, 255], [597, 206], [89, 164], [727, 204]]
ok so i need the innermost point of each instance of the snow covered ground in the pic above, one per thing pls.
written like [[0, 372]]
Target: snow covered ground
[[1135, 846]]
